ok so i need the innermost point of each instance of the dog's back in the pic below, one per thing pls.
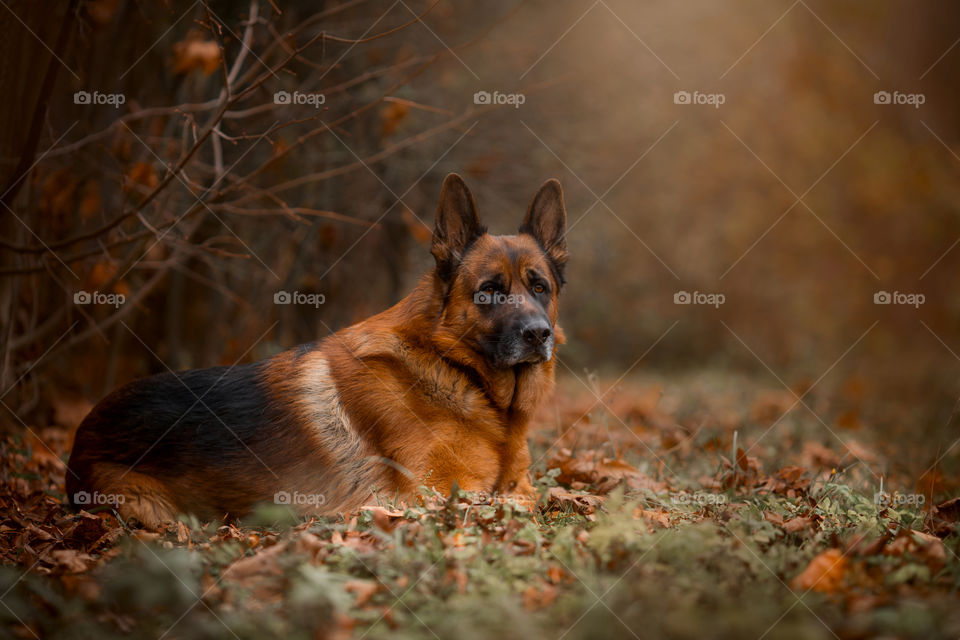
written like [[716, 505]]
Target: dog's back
[[217, 441]]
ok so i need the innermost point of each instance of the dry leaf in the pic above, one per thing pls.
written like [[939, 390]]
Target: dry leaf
[[385, 519], [590, 467], [363, 590], [71, 560], [183, 533], [535, 598], [796, 525], [583, 503], [923, 546], [141, 174], [195, 53], [943, 518], [660, 517], [392, 114], [825, 573]]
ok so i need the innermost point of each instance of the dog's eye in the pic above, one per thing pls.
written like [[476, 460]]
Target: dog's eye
[[539, 288]]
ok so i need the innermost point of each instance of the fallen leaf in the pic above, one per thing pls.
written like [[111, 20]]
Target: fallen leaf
[[363, 590], [921, 545], [660, 517], [183, 533], [71, 560], [825, 573], [583, 503], [592, 468], [538, 597], [943, 518], [789, 481], [385, 519], [796, 525], [773, 516]]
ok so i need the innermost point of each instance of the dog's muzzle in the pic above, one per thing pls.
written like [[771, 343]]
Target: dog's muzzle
[[529, 342]]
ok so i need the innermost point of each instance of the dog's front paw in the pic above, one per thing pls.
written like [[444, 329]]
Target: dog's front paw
[[522, 493]]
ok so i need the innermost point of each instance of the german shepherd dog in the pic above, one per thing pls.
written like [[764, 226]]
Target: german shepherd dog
[[438, 390]]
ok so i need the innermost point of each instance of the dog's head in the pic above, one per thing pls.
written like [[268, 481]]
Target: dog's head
[[501, 291]]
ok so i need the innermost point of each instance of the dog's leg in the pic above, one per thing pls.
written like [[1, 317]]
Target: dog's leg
[[470, 472], [514, 481], [134, 495]]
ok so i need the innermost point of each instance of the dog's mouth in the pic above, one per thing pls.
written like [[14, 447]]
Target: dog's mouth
[[511, 353], [538, 357]]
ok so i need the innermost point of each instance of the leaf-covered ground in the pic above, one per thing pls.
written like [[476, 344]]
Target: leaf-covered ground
[[698, 508]]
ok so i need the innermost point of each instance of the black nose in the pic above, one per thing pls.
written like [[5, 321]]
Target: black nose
[[536, 333]]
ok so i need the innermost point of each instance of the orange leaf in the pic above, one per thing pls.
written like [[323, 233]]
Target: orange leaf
[[534, 598], [385, 519], [90, 202], [660, 517], [825, 573], [556, 574], [142, 173], [391, 116], [195, 53]]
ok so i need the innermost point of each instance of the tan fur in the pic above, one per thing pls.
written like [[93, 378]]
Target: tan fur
[[142, 497]]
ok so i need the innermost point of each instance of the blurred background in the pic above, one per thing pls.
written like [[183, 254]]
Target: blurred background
[[785, 183]]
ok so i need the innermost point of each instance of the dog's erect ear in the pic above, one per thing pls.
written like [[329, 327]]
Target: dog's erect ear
[[547, 222], [457, 225]]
